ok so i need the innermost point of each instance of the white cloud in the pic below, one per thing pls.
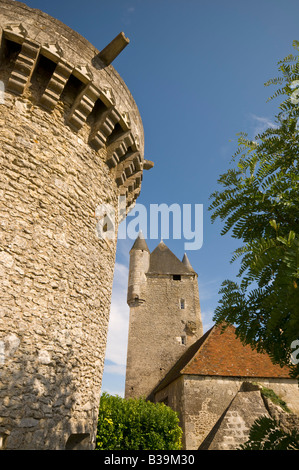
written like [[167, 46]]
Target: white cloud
[[128, 15], [261, 124], [116, 350], [116, 369]]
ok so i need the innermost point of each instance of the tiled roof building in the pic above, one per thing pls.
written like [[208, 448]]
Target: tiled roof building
[[212, 380]]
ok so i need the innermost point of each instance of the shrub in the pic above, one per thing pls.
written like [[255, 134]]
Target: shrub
[[136, 424]]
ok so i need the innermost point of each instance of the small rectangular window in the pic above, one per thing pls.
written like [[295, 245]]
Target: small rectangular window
[[176, 277], [182, 304], [183, 340]]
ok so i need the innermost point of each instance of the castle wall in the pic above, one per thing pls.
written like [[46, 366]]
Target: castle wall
[[56, 275], [66, 123], [160, 330], [205, 399], [174, 397]]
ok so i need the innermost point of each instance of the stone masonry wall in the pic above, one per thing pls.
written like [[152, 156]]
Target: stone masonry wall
[[57, 166], [201, 402], [56, 273], [207, 398], [159, 330]]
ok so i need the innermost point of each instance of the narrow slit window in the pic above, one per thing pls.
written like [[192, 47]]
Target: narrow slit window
[[182, 304]]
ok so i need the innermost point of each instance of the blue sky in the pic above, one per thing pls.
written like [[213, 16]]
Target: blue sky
[[196, 69]]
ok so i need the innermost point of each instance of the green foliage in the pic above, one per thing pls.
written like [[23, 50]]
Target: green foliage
[[266, 434], [269, 393], [136, 424], [259, 205]]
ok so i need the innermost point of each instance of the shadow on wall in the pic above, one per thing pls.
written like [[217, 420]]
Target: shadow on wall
[[38, 400]]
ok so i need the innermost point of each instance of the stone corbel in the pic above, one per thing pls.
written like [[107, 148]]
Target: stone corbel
[[118, 148], [128, 168], [131, 182], [24, 66], [83, 106], [103, 128], [56, 85], [129, 156]]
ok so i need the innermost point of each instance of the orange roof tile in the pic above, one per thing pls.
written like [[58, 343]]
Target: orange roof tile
[[221, 353]]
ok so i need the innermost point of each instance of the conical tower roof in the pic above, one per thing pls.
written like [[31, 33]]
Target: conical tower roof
[[140, 243], [187, 263], [163, 261]]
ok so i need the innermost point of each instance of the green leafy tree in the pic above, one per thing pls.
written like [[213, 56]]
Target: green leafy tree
[[259, 204], [266, 434], [136, 424]]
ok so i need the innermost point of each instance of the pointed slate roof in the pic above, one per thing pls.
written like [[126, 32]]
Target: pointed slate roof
[[140, 243], [219, 353], [186, 262], [163, 261]]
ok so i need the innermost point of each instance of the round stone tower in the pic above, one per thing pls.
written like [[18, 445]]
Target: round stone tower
[[139, 264], [165, 315], [71, 141]]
